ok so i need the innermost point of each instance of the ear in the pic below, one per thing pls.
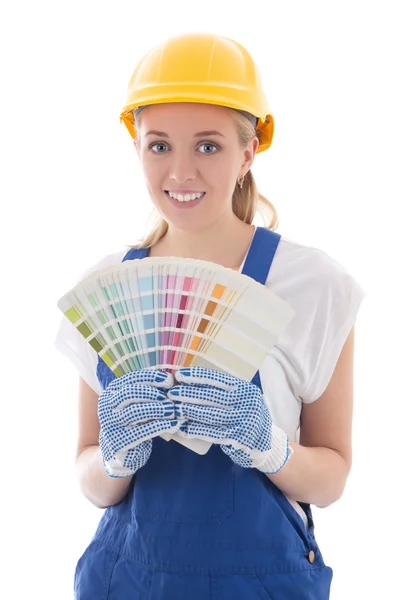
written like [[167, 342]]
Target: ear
[[249, 154]]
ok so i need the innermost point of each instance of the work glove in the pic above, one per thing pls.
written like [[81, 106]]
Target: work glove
[[132, 410], [232, 412]]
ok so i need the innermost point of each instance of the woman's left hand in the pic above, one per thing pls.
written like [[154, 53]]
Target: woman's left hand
[[232, 412]]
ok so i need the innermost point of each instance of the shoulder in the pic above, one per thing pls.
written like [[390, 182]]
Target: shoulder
[[306, 271], [296, 255], [108, 260]]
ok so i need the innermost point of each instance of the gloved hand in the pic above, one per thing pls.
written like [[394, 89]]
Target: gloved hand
[[232, 412], [132, 410]]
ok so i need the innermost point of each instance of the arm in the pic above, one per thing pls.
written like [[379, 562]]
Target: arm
[[95, 484], [318, 469]]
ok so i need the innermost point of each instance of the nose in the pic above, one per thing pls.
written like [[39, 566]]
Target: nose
[[182, 167]]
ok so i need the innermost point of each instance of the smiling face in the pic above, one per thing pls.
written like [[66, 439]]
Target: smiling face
[[191, 158]]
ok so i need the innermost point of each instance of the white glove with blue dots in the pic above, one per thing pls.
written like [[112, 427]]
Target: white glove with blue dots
[[132, 410], [232, 412]]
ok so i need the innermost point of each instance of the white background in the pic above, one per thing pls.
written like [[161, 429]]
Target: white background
[[71, 192]]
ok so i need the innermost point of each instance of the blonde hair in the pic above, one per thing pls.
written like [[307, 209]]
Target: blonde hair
[[246, 201]]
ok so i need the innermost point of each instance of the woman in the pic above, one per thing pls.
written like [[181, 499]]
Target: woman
[[235, 522]]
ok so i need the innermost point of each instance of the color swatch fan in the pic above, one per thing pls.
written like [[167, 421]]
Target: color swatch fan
[[168, 313]]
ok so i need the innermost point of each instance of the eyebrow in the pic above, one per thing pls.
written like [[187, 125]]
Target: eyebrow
[[199, 134]]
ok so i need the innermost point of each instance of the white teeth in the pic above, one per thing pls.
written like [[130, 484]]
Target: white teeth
[[185, 197]]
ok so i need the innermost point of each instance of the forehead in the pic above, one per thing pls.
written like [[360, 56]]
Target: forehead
[[187, 115]]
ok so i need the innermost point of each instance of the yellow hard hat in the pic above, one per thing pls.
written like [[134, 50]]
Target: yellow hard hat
[[203, 68]]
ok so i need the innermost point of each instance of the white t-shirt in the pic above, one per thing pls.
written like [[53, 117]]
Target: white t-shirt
[[325, 298]]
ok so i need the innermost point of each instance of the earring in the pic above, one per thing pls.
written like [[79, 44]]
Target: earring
[[240, 181]]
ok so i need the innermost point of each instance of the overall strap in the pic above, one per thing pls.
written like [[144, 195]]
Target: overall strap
[[258, 263], [261, 254], [134, 253]]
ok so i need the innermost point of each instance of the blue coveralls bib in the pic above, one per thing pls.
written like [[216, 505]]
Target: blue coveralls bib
[[202, 527]]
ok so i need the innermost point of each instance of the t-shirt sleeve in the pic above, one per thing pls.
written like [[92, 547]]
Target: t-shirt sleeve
[[335, 298], [72, 344]]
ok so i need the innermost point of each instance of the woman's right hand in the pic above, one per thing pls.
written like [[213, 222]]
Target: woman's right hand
[[132, 410]]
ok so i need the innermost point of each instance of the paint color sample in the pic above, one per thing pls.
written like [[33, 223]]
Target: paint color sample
[[167, 313]]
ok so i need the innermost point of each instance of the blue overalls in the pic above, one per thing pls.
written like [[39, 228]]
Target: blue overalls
[[201, 527]]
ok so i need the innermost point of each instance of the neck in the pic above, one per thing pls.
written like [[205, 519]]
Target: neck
[[225, 244]]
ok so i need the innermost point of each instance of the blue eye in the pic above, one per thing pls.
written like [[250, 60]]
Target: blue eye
[[207, 146], [157, 145], [162, 147]]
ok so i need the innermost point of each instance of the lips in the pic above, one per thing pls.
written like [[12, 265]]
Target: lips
[[185, 195]]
